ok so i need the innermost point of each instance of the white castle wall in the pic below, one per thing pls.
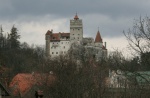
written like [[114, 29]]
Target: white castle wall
[[59, 47]]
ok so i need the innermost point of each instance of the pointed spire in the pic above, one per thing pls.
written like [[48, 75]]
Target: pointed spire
[[98, 37], [76, 17]]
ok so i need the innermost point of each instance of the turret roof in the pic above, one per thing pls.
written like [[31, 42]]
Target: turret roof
[[98, 37], [76, 17]]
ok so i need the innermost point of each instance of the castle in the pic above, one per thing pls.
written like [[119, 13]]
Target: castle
[[59, 43]]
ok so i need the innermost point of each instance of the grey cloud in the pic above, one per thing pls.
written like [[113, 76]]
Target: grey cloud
[[65, 8], [112, 16]]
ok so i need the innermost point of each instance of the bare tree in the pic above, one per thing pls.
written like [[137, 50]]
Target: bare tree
[[139, 36]]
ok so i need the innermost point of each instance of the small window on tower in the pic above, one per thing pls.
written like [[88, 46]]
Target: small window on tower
[[64, 47], [73, 34], [52, 52], [78, 29], [56, 52], [78, 34]]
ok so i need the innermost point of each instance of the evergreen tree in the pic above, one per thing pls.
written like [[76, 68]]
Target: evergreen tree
[[1, 37], [14, 38]]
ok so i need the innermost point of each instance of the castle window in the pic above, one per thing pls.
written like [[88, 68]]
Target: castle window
[[53, 43], [73, 34], [74, 37], [78, 34], [78, 37], [61, 42], [52, 52], [64, 52], [56, 52], [78, 29], [64, 47]]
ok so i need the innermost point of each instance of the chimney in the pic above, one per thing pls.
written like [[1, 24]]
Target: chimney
[[51, 30], [105, 44]]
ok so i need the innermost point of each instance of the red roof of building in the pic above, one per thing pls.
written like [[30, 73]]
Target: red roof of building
[[23, 82], [65, 34], [57, 36], [98, 37], [48, 32]]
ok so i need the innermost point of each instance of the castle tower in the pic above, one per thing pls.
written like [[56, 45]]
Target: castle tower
[[98, 40], [47, 41], [76, 29]]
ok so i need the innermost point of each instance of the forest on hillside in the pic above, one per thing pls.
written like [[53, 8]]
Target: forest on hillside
[[86, 79]]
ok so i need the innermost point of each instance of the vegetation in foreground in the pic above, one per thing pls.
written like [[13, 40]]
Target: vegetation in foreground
[[76, 80]]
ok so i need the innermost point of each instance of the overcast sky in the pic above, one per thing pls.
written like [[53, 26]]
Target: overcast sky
[[34, 17]]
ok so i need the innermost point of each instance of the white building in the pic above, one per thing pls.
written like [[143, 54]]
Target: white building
[[59, 43], [117, 79]]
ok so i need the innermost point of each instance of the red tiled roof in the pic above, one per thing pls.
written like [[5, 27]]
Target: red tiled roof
[[65, 34], [23, 82], [98, 37], [48, 32], [56, 36]]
